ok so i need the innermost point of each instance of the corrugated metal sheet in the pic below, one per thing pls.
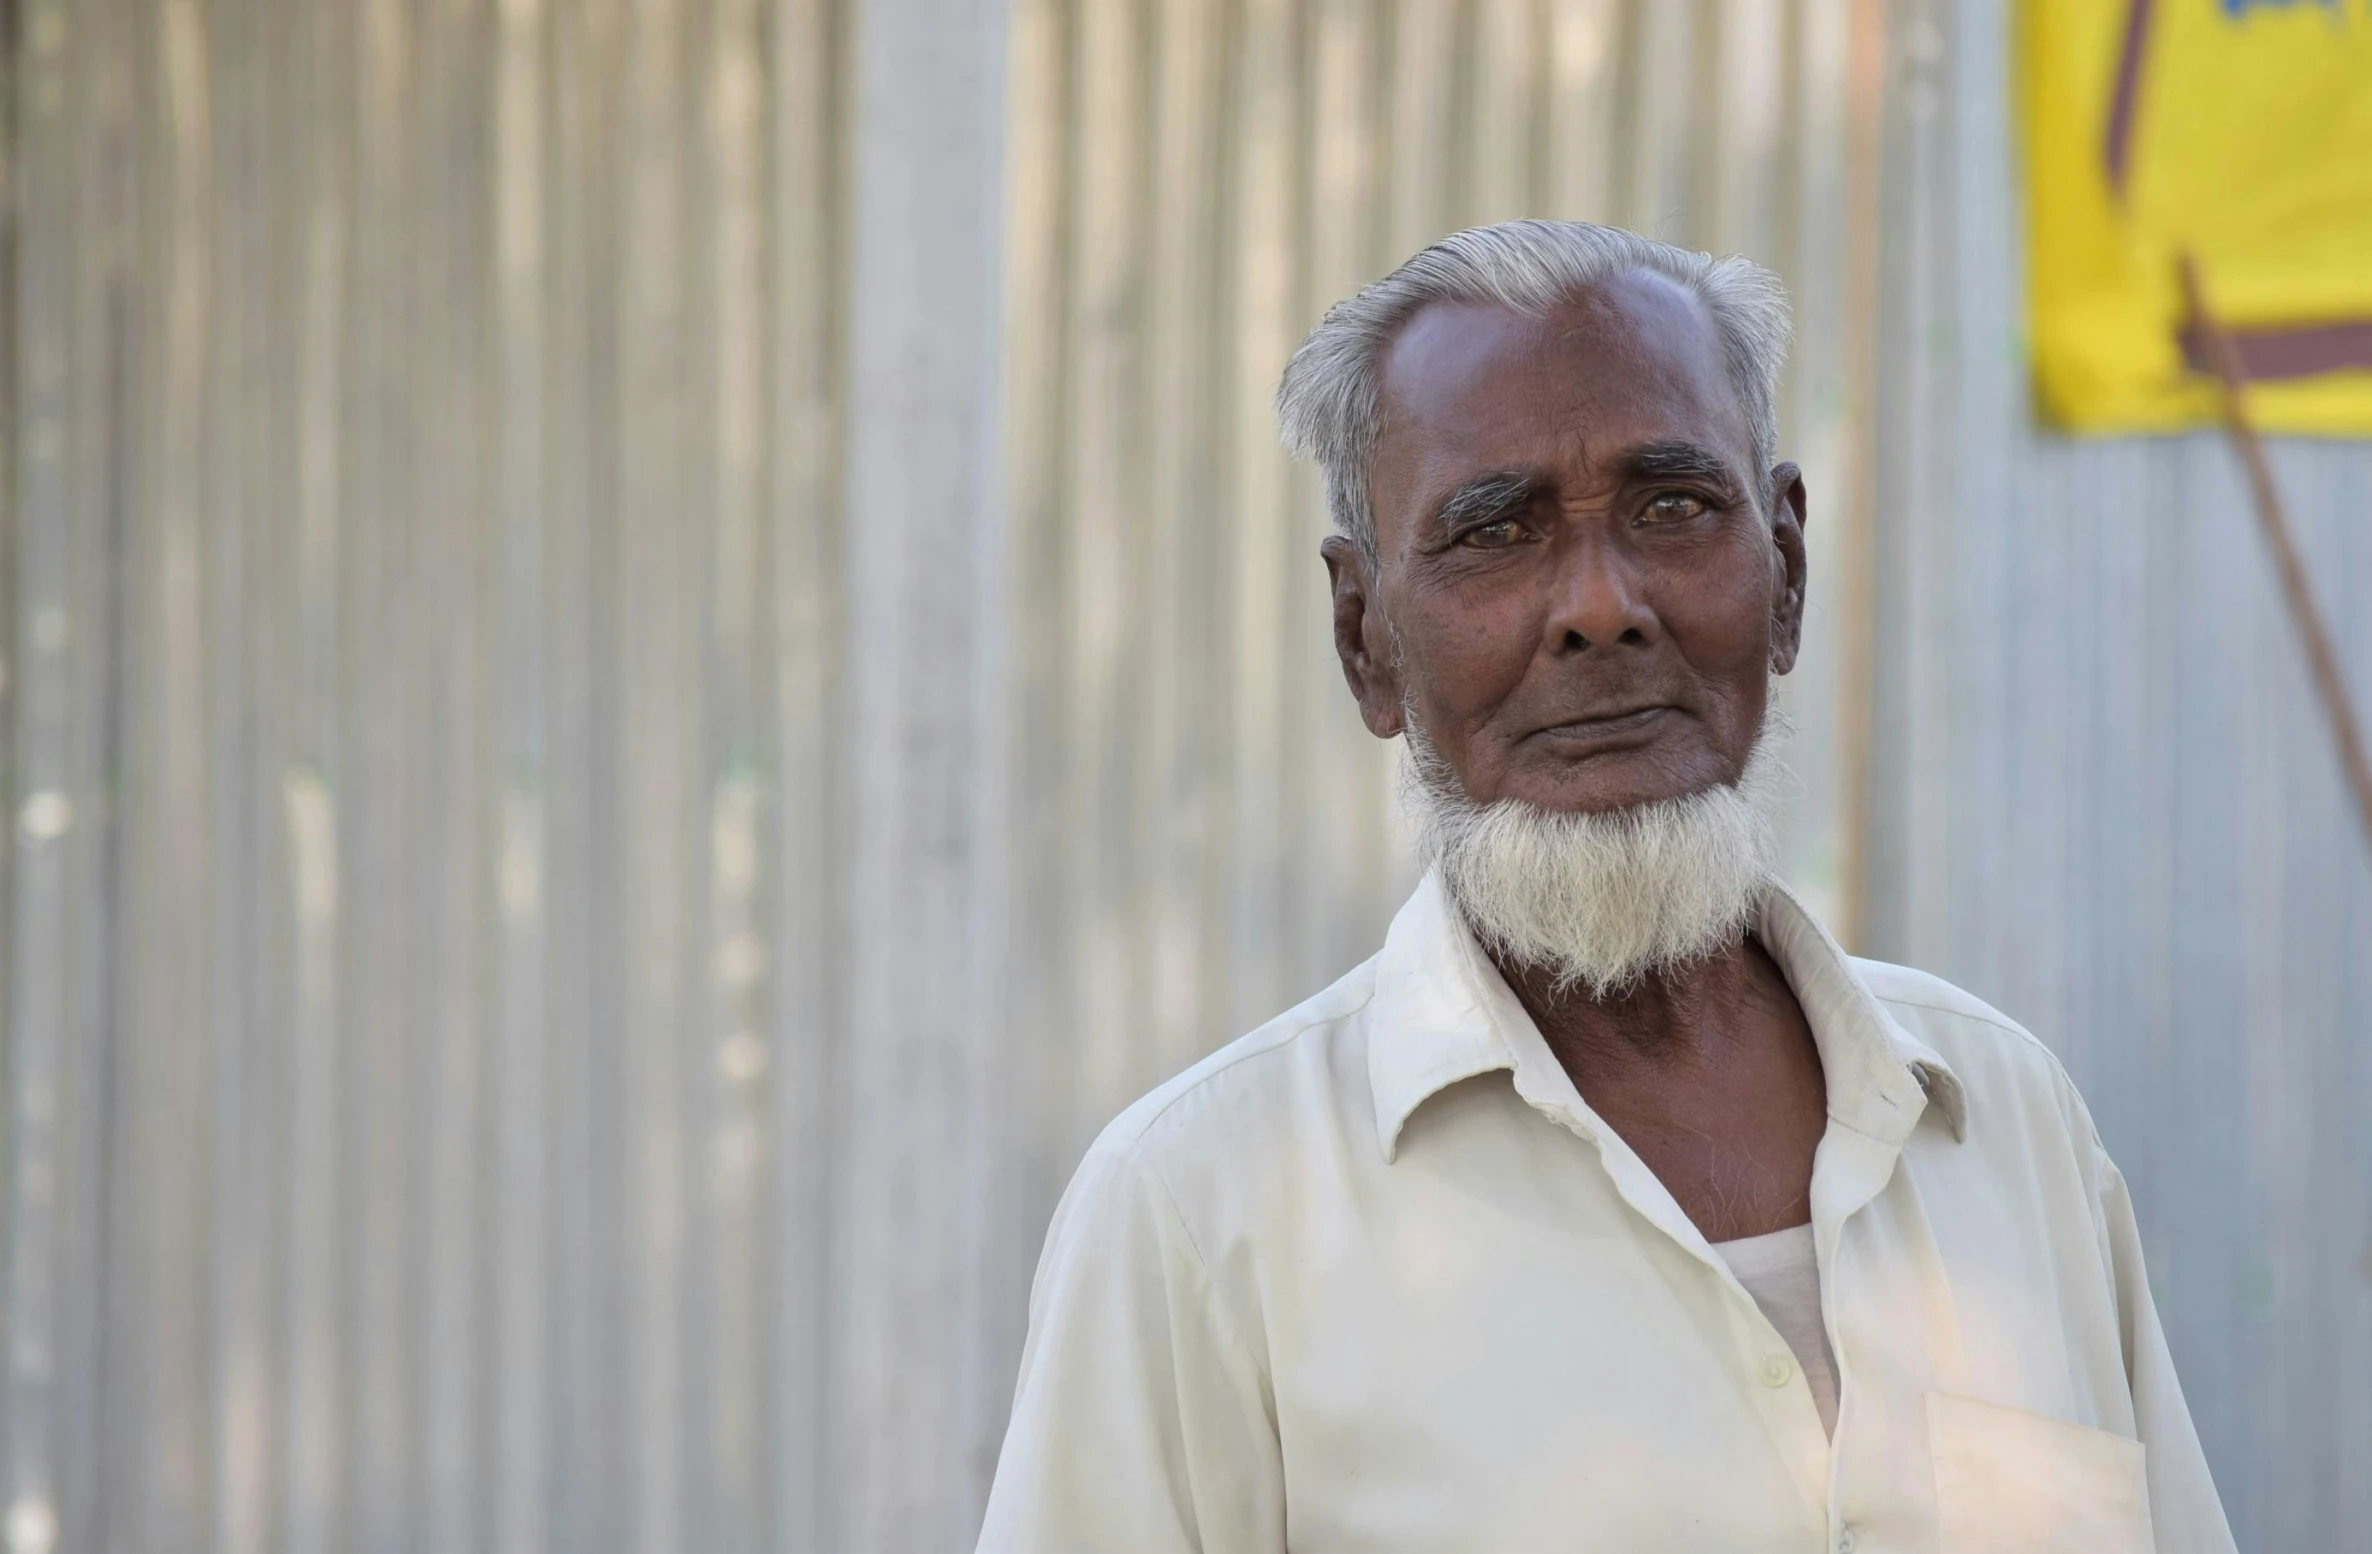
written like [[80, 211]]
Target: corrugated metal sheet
[[426, 433], [658, 648], [2110, 806]]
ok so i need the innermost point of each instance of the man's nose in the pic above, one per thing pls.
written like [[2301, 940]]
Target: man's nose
[[1597, 601]]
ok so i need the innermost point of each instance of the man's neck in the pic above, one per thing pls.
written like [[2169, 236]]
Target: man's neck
[[1710, 1073], [1669, 1020]]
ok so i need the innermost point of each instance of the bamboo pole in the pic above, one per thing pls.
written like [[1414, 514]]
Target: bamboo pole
[[2322, 658]]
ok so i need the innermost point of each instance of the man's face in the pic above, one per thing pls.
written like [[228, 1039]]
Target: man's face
[[1585, 587]]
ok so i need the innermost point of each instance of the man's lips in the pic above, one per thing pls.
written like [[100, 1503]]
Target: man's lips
[[1612, 725]]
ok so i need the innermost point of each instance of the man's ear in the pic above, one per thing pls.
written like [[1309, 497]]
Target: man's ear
[[1787, 540], [1361, 640]]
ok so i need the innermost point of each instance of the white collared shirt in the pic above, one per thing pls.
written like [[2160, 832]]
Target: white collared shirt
[[1376, 1278]]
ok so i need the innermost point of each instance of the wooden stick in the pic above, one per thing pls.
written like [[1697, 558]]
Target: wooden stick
[[2330, 682]]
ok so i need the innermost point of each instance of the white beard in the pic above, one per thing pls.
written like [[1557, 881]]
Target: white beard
[[1601, 901]]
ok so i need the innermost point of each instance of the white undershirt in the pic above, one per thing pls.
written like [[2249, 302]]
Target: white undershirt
[[1782, 1272]]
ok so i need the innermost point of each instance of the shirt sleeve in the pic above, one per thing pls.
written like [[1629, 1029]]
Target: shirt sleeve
[[1142, 1421], [2185, 1514]]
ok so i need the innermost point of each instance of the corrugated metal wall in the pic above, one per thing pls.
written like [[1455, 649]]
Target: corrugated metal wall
[[658, 648], [426, 422], [2109, 805]]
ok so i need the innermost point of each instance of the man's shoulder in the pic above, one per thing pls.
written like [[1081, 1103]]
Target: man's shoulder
[[1991, 1054], [1303, 1064]]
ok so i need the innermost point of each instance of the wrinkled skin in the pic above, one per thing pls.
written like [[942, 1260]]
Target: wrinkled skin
[[1584, 590], [1596, 623]]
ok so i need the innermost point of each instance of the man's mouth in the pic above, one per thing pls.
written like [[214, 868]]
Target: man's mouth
[[1611, 725]]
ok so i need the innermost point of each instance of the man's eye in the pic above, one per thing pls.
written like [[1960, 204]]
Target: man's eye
[[1495, 535], [1673, 507]]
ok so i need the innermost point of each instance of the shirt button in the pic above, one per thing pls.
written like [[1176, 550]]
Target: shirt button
[[1777, 1370]]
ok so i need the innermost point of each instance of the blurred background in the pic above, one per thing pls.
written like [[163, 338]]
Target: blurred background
[[655, 650]]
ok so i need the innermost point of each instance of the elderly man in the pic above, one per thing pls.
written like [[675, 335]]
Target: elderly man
[[1611, 1206]]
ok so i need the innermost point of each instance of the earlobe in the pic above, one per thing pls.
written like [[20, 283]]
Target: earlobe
[[1787, 625], [1378, 687], [1365, 668]]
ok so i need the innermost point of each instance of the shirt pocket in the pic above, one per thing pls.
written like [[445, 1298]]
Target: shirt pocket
[[2011, 1482]]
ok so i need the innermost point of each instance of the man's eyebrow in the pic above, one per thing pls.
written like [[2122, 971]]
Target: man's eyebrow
[[1673, 458], [1491, 495]]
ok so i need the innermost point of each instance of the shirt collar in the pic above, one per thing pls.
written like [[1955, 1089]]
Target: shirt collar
[[1442, 1013], [1429, 1023]]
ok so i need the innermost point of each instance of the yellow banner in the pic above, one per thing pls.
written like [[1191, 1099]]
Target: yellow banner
[[2239, 131]]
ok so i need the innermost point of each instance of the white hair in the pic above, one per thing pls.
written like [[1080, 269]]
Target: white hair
[[1601, 901], [1329, 404]]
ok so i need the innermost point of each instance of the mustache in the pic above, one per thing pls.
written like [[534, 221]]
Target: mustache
[[1428, 766]]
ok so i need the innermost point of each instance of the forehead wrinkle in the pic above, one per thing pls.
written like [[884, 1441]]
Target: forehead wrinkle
[[1653, 373], [1672, 458], [1586, 456]]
